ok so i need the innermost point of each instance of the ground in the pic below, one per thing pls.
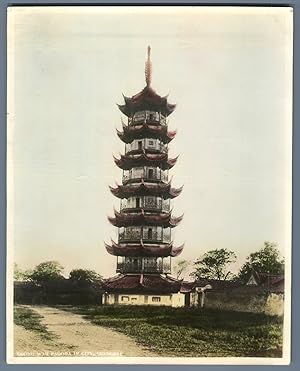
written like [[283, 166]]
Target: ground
[[71, 335], [146, 331]]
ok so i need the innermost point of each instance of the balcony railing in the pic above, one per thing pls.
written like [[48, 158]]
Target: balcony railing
[[140, 266], [154, 177], [145, 204], [161, 148], [147, 117], [134, 236]]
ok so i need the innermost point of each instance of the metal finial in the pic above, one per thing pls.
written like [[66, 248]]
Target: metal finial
[[148, 68]]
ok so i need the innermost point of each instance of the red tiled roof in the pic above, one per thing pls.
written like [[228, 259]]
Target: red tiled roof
[[152, 189], [144, 218], [187, 286], [270, 282], [146, 99], [141, 249], [127, 162], [130, 132], [142, 283]]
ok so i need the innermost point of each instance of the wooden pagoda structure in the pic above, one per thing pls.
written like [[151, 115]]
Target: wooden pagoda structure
[[145, 248]]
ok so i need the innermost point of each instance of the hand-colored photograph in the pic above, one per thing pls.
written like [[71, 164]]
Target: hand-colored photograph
[[149, 184]]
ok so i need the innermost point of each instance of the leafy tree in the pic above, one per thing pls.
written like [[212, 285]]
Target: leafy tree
[[46, 271], [266, 260], [84, 275], [181, 267], [18, 274], [214, 265]]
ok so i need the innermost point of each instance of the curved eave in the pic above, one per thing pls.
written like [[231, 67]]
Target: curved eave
[[139, 131], [123, 109], [162, 161], [175, 192], [142, 218], [163, 190], [176, 251], [143, 250], [142, 283], [146, 99]]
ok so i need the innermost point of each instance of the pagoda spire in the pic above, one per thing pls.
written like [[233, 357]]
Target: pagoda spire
[[148, 68]]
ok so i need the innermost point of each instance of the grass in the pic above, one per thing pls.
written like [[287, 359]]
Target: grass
[[31, 320], [192, 331]]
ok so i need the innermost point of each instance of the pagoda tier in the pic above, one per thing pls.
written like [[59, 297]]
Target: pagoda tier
[[130, 133], [161, 160], [163, 190], [141, 249], [147, 99], [164, 220], [142, 283]]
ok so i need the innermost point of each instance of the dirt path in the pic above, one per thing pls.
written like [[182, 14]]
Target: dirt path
[[75, 337]]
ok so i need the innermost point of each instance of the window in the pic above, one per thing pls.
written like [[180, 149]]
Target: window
[[146, 299], [151, 174], [124, 298], [151, 142], [140, 144], [136, 263], [150, 234], [139, 116], [155, 299]]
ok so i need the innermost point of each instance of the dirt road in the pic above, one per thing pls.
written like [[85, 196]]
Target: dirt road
[[74, 336]]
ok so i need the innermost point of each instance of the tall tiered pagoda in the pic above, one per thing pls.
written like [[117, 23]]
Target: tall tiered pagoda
[[145, 248]]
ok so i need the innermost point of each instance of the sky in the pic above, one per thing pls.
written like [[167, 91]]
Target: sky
[[228, 71]]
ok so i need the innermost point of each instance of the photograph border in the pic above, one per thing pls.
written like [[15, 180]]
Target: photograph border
[[133, 360]]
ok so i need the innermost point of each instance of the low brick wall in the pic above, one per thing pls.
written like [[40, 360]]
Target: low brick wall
[[245, 299]]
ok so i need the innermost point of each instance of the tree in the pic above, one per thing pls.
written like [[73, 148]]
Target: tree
[[266, 260], [20, 275], [84, 275], [214, 265], [46, 271], [181, 267]]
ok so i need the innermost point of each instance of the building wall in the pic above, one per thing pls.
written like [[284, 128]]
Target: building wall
[[177, 300], [174, 300], [245, 301]]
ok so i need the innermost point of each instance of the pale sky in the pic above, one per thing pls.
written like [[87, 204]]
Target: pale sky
[[228, 71]]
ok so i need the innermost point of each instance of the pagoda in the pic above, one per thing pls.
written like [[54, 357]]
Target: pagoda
[[145, 248]]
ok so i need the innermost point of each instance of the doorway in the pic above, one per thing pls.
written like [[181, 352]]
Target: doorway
[[150, 233], [151, 173]]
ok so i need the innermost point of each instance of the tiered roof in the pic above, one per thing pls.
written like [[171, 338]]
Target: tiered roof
[[149, 189], [144, 283], [127, 162], [143, 249], [147, 99], [144, 218], [131, 132]]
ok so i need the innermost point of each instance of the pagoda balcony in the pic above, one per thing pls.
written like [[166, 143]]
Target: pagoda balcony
[[146, 203], [147, 117], [140, 266], [146, 174], [149, 145], [136, 236]]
